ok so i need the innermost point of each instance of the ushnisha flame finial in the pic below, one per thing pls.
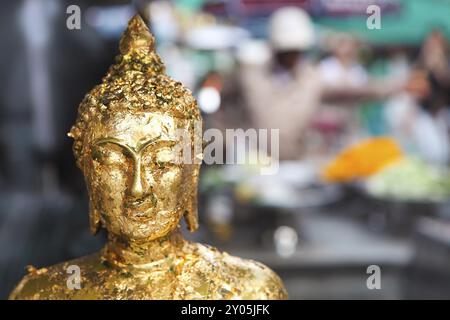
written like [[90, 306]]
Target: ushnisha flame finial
[[137, 49], [136, 37]]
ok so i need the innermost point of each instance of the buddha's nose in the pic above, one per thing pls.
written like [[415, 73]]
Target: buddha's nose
[[136, 189]]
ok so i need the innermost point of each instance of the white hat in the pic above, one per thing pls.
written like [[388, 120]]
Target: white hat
[[291, 29]]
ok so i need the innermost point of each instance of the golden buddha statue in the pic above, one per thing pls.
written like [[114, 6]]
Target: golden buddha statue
[[124, 139]]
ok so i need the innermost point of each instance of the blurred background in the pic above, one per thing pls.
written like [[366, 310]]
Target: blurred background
[[363, 113]]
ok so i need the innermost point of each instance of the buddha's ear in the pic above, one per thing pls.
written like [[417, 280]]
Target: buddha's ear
[[94, 215], [191, 213], [94, 220]]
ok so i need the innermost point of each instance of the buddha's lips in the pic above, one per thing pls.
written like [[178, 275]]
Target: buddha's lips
[[140, 209], [140, 215]]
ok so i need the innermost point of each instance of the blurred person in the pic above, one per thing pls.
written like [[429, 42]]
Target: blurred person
[[420, 119], [433, 125], [343, 65], [420, 127], [385, 62], [431, 130], [285, 91], [435, 58], [338, 123], [271, 89], [435, 61]]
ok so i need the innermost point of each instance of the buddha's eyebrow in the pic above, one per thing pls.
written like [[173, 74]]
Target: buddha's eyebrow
[[132, 150]]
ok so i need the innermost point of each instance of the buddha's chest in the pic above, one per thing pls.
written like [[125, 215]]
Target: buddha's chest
[[157, 284]]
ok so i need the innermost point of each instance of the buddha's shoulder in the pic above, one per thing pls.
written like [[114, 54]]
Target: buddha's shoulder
[[57, 281], [239, 278]]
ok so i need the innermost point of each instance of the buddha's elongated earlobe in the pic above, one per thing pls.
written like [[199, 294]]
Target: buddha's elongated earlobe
[[94, 215], [191, 214], [191, 217], [94, 219]]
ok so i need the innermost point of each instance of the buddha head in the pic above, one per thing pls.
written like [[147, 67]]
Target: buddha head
[[125, 139]]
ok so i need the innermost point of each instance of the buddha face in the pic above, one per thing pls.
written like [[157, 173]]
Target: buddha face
[[134, 182]]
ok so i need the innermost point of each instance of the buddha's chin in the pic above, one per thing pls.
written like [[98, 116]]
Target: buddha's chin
[[149, 226]]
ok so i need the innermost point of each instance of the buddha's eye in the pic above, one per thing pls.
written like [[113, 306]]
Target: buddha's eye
[[108, 154], [165, 156], [159, 157]]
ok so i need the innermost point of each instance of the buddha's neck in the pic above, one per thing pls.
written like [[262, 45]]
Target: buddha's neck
[[123, 252]]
